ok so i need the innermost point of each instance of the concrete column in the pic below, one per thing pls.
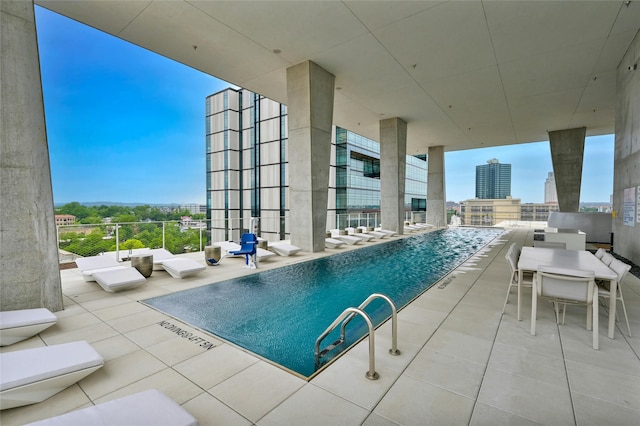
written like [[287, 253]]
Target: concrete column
[[393, 165], [626, 160], [30, 275], [310, 115], [567, 152], [436, 195]]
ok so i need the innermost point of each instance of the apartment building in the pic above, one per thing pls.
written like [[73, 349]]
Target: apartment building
[[246, 146]]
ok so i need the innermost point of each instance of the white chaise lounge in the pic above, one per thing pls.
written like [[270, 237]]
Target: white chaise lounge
[[33, 375], [364, 237], [332, 243], [24, 323], [389, 232], [119, 279], [89, 265], [150, 407], [376, 234], [283, 248], [177, 267], [347, 239]]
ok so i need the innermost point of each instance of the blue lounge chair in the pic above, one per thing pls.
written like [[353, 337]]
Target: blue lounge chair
[[248, 247]]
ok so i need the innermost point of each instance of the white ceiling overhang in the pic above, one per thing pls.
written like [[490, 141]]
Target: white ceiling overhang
[[463, 74]]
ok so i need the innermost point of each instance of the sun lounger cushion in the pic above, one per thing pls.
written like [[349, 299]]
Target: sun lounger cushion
[[150, 407], [332, 243], [28, 366], [96, 262], [348, 239], [119, 279], [22, 324], [180, 268], [159, 256], [284, 249], [93, 264]]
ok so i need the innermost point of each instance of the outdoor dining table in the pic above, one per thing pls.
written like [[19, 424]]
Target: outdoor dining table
[[533, 257]]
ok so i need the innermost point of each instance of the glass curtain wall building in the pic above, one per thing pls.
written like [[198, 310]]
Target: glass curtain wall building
[[246, 149], [493, 180]]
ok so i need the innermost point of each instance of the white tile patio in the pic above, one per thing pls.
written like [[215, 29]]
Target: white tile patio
[[461, 361]]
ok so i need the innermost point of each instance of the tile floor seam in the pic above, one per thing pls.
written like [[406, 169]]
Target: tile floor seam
[[403, 371], [566, 372], [600, 367], [604, 401], [228, 406]]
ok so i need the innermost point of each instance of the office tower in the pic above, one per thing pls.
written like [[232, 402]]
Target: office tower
[[246, 168], [493, 180], [550, 193]]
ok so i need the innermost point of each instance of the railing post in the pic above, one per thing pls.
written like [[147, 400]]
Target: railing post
[[117, 241], [163, 231]]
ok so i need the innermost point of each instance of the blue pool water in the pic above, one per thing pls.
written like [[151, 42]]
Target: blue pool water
[[278, 314]]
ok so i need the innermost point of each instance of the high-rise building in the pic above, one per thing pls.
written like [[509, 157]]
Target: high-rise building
[[247, 163], [493, 180], [550, 193]]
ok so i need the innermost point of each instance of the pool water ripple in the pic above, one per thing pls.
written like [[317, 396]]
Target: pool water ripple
[[278, 314]]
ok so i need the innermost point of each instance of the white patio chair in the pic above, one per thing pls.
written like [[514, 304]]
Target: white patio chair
[[566, 286], [607, 258], [621, 269], [513, 253]]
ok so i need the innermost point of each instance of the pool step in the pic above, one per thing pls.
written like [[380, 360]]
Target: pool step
[[330, 347]]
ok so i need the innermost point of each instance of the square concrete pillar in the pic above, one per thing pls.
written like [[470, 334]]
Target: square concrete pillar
[[310, 116], [436, 195], [567, 152], [30, 271], [393, 165]]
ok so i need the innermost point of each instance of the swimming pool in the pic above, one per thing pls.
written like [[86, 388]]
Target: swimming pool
[[278, 314]]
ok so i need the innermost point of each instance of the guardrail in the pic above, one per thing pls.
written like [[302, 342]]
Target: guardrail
[[179, 236]]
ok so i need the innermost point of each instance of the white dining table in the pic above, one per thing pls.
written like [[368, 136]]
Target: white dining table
[[532, 257]]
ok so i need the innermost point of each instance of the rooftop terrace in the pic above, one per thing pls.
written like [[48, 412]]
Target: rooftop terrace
[[461, 362]]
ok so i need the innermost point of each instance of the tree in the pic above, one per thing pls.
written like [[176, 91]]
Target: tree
[[76, 209], [91, 220], [131, 244]]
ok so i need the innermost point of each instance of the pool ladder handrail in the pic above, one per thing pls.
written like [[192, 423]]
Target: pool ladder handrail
[[346, 316], [394, 320]]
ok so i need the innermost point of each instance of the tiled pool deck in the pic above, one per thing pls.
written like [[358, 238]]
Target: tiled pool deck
[[462, 361]]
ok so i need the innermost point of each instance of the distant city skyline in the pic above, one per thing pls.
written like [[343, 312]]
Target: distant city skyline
[[127, 125]]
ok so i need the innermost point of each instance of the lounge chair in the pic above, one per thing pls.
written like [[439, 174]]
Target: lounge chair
[[89, 265], [119, 279], [177, 267], [364, 237], [386, 231], [411, 228], [33, 375], [283, 248], [347, 239], [22, 324], [125, 254], [182, 268], [332, 243], [376, 234], [150, 407]]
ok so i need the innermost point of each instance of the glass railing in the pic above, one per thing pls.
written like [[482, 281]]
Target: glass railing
[[190, 236]]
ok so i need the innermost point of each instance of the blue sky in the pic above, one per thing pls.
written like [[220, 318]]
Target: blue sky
[[127, 125]]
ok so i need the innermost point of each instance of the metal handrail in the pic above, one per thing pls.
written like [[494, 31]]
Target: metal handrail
[[394, 321], [371, 373]]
